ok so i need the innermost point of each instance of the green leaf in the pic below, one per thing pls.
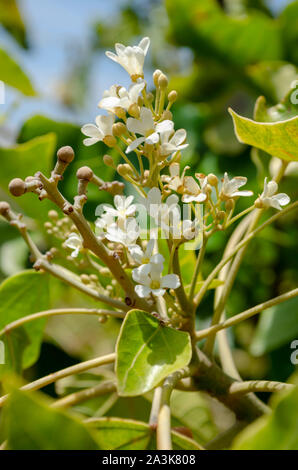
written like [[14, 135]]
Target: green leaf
[[213, 285], [12, 74], [21, 295], [128, 434], [279, 139], [277, 326], [11, 20], [230, 39], [30, 424], [147, 352], [25, 160], [277, 431]]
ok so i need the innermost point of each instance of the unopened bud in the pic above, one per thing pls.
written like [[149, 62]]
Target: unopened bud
[[110, 140], [172, 96], [163, 81], [212, 179], [17, 187], [120, 112], [150, 97], [167, 115], [220, 215], [229, 204], [140, 101], [107, 159], [85, 173], [134, 110], [65, 154], [4, 208], [156, 75], [119, 129], [85, 279], [124, 169], [53, 215]]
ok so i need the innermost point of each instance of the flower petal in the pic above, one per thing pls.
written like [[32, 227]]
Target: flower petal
[[171, 281]]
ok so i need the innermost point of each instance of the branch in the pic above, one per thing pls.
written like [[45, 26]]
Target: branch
[[76, 369], [63, 311], [84, 395], [246, 314], [242, 388], [163, 430]]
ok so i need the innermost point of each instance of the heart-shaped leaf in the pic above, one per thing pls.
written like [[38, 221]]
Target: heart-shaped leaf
[[279, 139], [128, 434], [147, 352]]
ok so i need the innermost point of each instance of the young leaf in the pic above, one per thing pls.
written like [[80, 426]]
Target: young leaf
[[279, 139], [277, 431], [24, 160], [12, 74], [11, 20], [20, 295], [128, 434], [147, 352], [30, 424]]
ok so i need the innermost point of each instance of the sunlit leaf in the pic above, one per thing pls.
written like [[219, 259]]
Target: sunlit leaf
[[279, 139], [147, 352], [21, 295], [30, 424], [12, 74]]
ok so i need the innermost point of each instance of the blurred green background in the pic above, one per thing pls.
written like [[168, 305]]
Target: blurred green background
[[217, 54]]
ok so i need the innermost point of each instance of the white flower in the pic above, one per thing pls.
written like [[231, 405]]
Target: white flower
[[126, 235], [149, 279], [192, 191], [166, 214], [124, 207], [140, 256], [146, 127], [230, 188], [131, 58], [103, 223], [98, 132], [174, 143], [120, 97], [189, 228], [269, 198], [174, 181], [74, 242]]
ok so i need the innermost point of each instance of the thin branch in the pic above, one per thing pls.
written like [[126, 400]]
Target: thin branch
[[198, 266], [163, 430], [222, 263], [63, 311], [76, 369], [246, 314], [242, 388], [84, 395]]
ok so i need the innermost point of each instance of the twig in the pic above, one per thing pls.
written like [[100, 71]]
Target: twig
[[242, 388], [84, 395]]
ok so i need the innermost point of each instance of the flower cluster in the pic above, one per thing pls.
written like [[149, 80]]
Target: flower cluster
[[139, 121]]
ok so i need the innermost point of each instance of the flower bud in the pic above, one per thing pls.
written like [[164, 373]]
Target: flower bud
[[258, 203], [52, 214], [156, 75], [167, 115], [17, 187], [150, 97], [172, 96], [212, 179], [85, 173], [65, 154], [140, 101], [163, 81], [229, 204], [85, 278], [124, 170], [119, 129], [110, 141], [4, 208], [134, 111], [107, 159]]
